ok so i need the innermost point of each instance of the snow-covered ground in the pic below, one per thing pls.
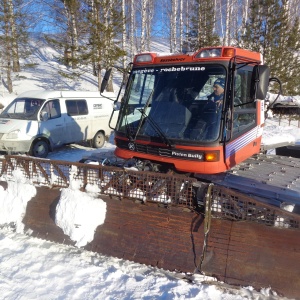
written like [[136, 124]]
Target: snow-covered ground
[[31, 268], [34, 269]]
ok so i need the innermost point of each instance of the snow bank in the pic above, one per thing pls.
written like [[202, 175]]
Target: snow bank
[[13, 200], [272, 97], [274, 134], [78, 214]]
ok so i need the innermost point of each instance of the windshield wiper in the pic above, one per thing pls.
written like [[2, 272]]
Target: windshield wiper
[[128, 130], [151, 121], [127, 127], [156, 127], [143, 114]]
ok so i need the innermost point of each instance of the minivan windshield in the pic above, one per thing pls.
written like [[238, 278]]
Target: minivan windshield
[[23, 109]]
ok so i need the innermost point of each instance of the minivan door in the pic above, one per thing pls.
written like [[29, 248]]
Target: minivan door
[[53, 127]]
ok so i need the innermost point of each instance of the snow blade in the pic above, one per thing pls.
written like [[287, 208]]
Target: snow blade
[[152, 219]]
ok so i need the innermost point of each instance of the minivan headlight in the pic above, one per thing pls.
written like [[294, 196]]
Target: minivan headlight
[[13, 134]]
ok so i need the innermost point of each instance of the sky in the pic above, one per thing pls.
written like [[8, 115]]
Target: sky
[[31, 268]]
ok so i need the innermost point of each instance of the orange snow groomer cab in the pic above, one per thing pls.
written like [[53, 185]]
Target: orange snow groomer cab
[[200, 112]]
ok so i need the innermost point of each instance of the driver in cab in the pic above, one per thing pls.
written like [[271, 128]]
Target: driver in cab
[[218, 93]]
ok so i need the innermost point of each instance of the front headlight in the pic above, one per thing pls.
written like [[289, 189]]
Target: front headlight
[[13, 134]]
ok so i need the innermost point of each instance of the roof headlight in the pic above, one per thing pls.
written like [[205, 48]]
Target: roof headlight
[[215, 52], [203, 54], [212, 52], [144, 58]]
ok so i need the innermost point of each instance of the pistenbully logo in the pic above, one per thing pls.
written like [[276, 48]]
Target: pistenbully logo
[[131, 146]]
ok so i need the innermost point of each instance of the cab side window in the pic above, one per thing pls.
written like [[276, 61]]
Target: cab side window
[[244, 108], [76, 107]]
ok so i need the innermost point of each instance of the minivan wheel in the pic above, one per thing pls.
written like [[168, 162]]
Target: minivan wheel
[[40, 149], [99, 140]]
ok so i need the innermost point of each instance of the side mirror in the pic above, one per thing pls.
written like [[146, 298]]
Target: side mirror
[[259, 82], [105, 80], [44, 116]]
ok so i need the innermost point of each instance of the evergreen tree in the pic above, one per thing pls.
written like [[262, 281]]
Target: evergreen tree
[[269, 32], [202, 29], [289, 59], [105, 28], [254, 28]]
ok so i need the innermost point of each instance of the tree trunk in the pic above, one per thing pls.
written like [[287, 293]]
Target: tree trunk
[[14, 44], [99, 75], [74, 35], [173, 26], [180, 25], [8, 75], [245, 16], [227, 24], [110, 87], [149, 16], [132, 26], [7, 46], [124, 41], [143, 25]]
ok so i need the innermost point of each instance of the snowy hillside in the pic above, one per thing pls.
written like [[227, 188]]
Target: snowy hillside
[[43, 70]]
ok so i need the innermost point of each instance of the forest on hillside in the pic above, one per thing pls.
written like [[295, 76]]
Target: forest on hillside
[[103, 33]]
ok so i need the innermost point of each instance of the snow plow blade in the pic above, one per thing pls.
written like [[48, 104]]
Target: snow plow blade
[[237, 239]]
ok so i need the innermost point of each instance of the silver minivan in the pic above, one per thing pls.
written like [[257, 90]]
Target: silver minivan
[[37, 122]]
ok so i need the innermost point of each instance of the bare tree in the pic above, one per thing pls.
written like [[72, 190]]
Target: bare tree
[[180, 24], [187, 25], [72, 11], [245, 15], [293, 9], [142, 13], [149, 18], [68, 19], [131, 29], [173, 25], [143, 24], [124, 38], [9, 38], [14, 43], [226, 40], [7, 45]]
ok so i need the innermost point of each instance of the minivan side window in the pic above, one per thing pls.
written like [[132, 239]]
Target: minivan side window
[[52, 108], [76, 107]]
